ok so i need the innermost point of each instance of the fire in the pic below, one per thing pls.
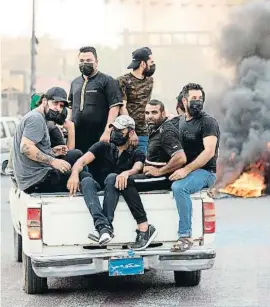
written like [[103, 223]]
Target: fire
[[250, 183]]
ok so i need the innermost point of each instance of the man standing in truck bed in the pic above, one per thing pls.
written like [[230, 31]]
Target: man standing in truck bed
[[95, 100], [136, 88]]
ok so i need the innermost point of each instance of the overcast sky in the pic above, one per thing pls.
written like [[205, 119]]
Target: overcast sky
[[74, 22], [78, 22]]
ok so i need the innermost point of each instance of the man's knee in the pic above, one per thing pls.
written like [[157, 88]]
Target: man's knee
[[88, 182], [179, 187], [84, 174], [131, 180], [110, 179]]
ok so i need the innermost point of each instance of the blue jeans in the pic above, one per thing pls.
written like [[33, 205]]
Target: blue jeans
[[143, 143], [194, 182]]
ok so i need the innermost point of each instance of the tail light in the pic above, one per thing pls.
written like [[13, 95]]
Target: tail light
[[34, 224], [209, 218]]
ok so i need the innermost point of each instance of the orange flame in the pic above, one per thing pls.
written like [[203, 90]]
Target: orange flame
[[249, 184]]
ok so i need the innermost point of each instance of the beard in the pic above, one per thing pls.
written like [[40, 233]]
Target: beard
[[153, 125]]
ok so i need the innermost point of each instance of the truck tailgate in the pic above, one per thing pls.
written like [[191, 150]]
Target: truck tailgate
[[67, 221]]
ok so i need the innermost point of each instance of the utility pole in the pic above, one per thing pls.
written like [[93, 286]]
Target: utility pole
[[144, 20], [34, 42]]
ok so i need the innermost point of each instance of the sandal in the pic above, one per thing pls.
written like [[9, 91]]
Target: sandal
[[182, 245]]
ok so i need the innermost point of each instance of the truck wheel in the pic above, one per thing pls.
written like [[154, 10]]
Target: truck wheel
[[17, 244], [33, 284], [187, 279]]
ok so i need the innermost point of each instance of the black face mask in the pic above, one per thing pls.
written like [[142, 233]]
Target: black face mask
[[51, 115], [86, 69], [149, 72], [195, 108], [117, 138], [61, 117]]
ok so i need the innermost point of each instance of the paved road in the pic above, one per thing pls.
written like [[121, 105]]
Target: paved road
[[240, 278]]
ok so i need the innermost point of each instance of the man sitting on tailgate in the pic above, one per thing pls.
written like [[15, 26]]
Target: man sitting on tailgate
[[165, 153], [200, 138], [60, 137], [39, 167], [117, 161]]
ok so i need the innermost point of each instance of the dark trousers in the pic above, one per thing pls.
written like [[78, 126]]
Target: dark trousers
[[104, 216], [145, 183], [55, 181], [86, 136]]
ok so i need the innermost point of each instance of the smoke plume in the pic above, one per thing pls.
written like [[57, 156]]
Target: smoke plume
[[245, 44]]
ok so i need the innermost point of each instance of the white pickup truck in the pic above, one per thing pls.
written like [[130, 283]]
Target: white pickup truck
[[51, 238]]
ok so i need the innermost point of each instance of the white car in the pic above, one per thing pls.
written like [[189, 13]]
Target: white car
[[7, 129], [51, 237]]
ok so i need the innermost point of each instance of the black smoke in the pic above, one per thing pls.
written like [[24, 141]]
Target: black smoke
[[245, 45]]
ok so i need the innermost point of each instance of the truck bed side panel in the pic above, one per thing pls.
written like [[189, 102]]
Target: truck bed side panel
[[67, 221]]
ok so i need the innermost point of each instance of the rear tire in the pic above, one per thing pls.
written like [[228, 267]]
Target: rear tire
[[33, 284], [17, 244], [187, 279]]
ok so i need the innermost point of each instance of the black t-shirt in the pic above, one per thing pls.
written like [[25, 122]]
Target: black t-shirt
[[193, 132], [91, 101], [56, 136], [163, 143], [107, 160]]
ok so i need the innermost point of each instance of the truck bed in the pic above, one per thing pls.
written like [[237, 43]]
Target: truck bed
[[62, 247], [66, 220]]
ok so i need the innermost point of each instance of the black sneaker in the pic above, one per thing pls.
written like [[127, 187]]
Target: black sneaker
[[144, 239], [106, 235]]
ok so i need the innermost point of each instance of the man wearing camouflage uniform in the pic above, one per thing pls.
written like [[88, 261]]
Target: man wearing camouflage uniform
[[136, 88]]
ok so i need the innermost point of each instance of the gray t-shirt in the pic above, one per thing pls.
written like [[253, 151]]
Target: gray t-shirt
[[33, 127]]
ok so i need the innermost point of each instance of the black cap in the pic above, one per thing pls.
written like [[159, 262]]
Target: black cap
[[57, 94], [139, 55]]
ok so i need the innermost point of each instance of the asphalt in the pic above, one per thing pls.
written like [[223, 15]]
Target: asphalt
[[240, 277]]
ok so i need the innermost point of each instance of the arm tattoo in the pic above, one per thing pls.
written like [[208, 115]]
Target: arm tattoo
[[25, 150], [41, 157]]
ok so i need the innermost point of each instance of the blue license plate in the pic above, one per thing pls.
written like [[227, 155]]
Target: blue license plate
[[126, 266]]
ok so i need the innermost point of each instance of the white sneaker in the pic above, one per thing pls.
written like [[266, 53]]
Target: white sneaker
[[105, 238], [94, 236]]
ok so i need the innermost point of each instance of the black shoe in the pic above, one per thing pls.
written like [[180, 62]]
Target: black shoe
[[144, 239], [106, 235]]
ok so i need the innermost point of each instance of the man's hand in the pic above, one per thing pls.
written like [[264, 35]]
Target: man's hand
[[121, 181], [68, 125], [179, 174], [151, 171], [105, 136], [62, 165], [73, 184], [60, 150], [134, 140]]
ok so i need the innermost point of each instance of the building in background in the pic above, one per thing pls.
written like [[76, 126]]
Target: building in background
[[179, 32]]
